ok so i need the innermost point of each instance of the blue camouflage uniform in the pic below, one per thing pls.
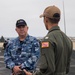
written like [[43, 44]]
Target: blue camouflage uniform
[[23, 53]]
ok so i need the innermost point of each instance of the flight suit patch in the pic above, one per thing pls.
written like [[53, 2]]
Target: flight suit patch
[[45, 44]]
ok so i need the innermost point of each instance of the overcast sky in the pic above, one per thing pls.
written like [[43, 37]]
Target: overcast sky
[[30, 10]]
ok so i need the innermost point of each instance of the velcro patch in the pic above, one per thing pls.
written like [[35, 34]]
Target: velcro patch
[[45, 44]]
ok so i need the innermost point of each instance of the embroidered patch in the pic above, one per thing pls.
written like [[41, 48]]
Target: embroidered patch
[[45, 44]]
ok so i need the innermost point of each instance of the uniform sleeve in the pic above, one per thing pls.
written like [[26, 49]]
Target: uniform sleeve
[[30, 63], [69, 58], [46, 63], [7, 57], [50, 57]]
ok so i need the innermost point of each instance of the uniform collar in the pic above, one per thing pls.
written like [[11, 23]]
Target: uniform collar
[[54, 28], [27, 37]]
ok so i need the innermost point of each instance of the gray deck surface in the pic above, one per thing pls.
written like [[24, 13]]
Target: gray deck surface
[[4, 71]]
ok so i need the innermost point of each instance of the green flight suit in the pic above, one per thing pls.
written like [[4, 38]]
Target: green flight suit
[[56, 50]]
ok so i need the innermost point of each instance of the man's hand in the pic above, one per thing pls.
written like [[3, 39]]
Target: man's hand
[[16, 69], [27, 73]]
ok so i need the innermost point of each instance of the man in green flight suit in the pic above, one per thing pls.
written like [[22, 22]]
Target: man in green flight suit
[[56, 47]]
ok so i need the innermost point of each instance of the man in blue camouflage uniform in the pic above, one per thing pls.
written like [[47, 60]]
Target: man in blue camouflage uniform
[[23, 51]]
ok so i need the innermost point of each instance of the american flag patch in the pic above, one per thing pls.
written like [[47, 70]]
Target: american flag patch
[[45, 44]]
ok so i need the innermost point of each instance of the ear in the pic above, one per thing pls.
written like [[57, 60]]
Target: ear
[[46, 19], [27, 27], [15, 29]]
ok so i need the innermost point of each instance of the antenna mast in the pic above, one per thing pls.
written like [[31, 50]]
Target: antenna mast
[[64, 18]]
